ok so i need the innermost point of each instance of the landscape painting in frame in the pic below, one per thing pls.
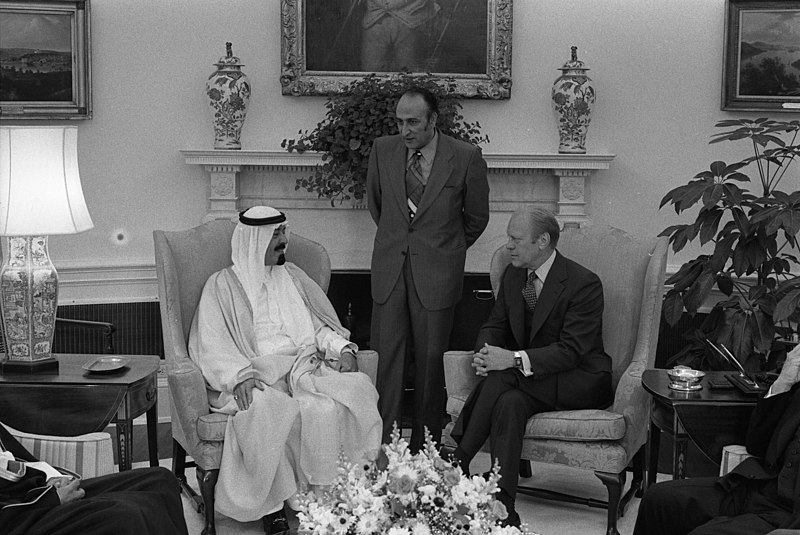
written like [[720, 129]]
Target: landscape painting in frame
[[45, 68], [762, 56], [326, 44]]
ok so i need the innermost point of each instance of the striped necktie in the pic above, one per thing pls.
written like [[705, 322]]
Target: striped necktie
[[415, 183], [529, 292]]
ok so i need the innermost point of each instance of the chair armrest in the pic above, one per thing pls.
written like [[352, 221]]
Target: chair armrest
[[108, 329], [368, 363], [459, 376], [632, 401], [187, 386], [90, 455]]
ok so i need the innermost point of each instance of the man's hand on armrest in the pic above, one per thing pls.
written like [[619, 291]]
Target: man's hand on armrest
[[243, 392], [348, 361]]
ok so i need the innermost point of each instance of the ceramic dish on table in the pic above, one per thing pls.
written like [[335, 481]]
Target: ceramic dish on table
[[106, 364]]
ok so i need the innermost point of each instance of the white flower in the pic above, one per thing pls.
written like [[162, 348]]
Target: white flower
[[420, 529], [398, 531]]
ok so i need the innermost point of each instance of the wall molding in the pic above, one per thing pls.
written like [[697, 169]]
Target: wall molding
[[232, 184]]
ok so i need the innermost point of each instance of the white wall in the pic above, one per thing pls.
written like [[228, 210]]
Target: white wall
[[656, 65]]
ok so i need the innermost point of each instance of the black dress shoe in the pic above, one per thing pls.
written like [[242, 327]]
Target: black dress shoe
[[276, 523], [512, 519]]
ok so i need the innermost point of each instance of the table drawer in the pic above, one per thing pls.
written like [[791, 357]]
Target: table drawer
[[139, 399]]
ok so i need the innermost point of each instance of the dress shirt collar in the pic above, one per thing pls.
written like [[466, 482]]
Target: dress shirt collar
[[429, 150], [544, 269]]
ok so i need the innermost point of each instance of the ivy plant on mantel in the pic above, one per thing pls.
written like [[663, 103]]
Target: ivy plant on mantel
[[224, 170]]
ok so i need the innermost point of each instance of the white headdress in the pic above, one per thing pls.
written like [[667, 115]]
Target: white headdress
[[249, 243]]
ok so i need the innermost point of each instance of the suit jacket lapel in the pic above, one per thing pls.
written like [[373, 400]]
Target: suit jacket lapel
[[516, 304], [440, 173], [553, 286], [397, 167]]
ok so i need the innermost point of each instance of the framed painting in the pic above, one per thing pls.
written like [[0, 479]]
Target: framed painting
[[326, 44], [45, 60], [762, 56]]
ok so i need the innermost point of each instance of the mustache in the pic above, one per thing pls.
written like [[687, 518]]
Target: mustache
[[280, 247]]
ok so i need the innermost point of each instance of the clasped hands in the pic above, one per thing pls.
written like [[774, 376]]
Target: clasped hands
[[492, 358], [243, 392]]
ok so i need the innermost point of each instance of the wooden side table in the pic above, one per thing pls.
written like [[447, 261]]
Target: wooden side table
[[711, 418], [73, 401]]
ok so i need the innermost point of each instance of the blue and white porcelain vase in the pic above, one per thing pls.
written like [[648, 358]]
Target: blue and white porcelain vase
[[573, 100], [228, 93]]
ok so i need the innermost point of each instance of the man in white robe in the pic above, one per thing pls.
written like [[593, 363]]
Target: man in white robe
[[272, 351]]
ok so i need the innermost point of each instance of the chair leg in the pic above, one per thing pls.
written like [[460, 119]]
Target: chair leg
[[179, 469], [614, 484], [525, 468], [653, 441], [207, 480], [637, 484]]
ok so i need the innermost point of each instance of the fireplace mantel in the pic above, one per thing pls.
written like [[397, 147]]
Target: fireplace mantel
[[228, 191]]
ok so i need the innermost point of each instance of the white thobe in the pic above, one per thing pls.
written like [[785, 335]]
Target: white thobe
[[294, 430]]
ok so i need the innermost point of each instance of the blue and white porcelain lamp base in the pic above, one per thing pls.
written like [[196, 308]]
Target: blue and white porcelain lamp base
[[28, 302]]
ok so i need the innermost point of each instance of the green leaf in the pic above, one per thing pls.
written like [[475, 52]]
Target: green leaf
[[787, 305], [672, 308], [698, 292], [709, 224]]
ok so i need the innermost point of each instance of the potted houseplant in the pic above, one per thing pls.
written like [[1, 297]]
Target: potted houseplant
[[751, 222], [363, 112]]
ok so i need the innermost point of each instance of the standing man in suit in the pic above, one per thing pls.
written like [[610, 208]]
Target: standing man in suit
[[429, 197], [540, 350], [758, 496]]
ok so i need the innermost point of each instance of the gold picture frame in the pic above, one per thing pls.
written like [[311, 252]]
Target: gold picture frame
[[45, 60], [326, 44], [761, 70]]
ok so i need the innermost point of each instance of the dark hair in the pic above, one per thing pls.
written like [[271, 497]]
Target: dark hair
[[429, 98]]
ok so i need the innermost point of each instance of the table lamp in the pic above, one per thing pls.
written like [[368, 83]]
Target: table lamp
[[40, 194]]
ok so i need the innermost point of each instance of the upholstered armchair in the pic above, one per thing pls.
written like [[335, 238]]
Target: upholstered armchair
[[603, 440], [89, 455], [184, 261]]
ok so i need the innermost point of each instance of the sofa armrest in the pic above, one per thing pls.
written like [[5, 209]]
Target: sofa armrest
[[459, 376], [368, 363]]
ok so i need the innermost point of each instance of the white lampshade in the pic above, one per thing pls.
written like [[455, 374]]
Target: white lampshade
[[40, 188]]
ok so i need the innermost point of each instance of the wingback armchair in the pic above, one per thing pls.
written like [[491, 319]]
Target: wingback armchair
[[184, 261], [603, 440]]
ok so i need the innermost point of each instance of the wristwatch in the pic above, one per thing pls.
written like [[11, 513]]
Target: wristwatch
[[518, 360]]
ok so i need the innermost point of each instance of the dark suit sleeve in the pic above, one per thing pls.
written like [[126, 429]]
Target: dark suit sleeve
[[374, 184], [476, 198], [765, 419], [9, 443], [582, 324], [496, 330]]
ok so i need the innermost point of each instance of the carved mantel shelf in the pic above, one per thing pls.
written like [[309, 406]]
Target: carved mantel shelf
[[225, 169]]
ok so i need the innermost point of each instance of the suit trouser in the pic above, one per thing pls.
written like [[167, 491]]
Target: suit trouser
[[701, 506], [134, 502], [499, 410], [392, 322]]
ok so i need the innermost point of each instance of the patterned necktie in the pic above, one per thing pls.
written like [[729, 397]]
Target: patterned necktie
[[529, 292], [415, 182]]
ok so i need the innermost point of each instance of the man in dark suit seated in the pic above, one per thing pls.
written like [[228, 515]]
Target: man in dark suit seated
[[136, 502], [759, 495], [540, 350]]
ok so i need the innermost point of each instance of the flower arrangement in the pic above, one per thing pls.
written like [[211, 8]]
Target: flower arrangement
[[419, 494]]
